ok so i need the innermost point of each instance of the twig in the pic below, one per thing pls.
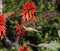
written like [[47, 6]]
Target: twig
[[33, 45]]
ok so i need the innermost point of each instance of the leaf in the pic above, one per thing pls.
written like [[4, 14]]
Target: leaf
[[52, 45], [30, 29], [1, 50], [59, 33]]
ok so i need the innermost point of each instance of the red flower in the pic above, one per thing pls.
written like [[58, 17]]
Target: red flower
[[24, 48], [2, 27], [19, 30], [28, 11]]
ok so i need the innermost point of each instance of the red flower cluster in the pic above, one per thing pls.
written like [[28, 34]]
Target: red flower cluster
[[19, 30], [2, 27], [28, 11], [24, 48], [28, 17]]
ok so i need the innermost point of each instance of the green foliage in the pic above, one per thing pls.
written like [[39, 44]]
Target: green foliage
[[12, 5], [51, 46]]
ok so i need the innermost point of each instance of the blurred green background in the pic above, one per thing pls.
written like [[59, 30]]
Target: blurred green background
[[49, 32]]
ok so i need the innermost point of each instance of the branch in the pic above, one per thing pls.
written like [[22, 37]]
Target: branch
[[33, 45], [11, 14]]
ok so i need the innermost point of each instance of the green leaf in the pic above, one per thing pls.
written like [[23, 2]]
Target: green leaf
[[53, 45], [30, 29], [59, 33]]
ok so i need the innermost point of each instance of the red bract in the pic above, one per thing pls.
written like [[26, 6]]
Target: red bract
[[28, 11], [2, 27], [24, 48], [19, 30]]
